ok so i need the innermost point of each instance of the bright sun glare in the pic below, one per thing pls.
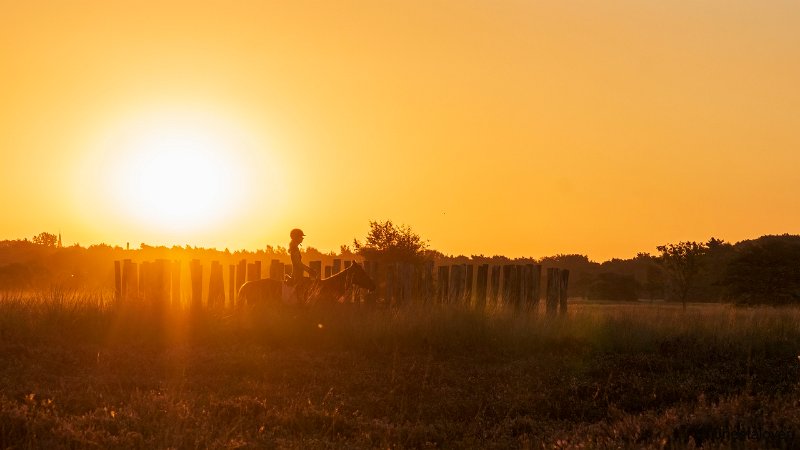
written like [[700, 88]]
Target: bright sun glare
[[178, 177], [180, 172]]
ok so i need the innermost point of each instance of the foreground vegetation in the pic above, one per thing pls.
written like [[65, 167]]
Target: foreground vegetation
[[77, 373]]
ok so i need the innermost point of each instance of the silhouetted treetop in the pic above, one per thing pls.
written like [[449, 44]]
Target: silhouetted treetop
[[389, 242], [46, 239]]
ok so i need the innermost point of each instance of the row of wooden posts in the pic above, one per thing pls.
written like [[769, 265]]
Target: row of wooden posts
[[516, 286]]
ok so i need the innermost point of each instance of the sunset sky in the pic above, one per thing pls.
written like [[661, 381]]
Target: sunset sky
[[520, 128]]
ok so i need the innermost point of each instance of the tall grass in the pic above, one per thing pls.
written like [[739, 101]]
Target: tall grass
[[82, 372]]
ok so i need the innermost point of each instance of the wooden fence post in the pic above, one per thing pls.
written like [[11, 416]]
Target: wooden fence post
[[216, 290], [443, 283], [562, 292], [408, 278], [494, 284], [456, 284], [508, 282], [372, 270], [469, 279], [176, 283], [144, 280], [252, 272], [533, 275], [389, 281], [316, 266], [337, 266], [276, 270], [241, 274], [481, 285], [232, 285], [162, 270], [131, 274], [553, 285], [427, 283], [126, 273], [196, 274], [117, 282]]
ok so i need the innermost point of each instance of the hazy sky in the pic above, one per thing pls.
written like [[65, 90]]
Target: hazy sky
[[522, 128]]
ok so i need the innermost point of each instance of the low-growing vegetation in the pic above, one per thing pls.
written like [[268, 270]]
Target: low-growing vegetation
[[79, 373]]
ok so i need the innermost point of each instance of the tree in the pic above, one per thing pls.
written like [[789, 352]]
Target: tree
[[682, 263], [46, 239], [390, 243]]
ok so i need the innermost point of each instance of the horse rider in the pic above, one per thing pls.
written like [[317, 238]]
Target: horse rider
[[296, 280]]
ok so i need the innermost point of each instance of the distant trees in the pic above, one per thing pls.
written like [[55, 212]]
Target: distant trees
[[765, 270], [386, 241], [46, 239]]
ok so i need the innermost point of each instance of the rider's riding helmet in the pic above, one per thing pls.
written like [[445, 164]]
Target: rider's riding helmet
[[296, 233]]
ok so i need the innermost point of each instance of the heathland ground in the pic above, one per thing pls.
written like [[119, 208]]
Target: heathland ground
[[78, 373]]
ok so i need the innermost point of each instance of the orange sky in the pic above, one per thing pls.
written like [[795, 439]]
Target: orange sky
[[517, 127]]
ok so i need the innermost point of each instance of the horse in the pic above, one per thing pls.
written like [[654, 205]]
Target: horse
[[328, 290]]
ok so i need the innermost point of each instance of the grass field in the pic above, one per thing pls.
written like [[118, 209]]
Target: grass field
[[76, 373]]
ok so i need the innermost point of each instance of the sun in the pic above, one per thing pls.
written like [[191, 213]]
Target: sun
[[180, 172], [179, 177]]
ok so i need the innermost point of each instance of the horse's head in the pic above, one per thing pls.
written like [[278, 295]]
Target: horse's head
[[360, 277]]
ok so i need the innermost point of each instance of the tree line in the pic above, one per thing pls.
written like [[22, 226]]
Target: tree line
[[765, 270]]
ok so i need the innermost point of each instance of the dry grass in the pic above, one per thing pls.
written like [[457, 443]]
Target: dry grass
[[77, 373]]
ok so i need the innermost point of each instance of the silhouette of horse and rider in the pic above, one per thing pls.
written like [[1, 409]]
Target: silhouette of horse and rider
[[297, 290]]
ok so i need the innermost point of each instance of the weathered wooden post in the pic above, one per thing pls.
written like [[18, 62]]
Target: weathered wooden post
[[469, 277], [337, 266], [481, 285], [196, 274], [232, 285], [241, 274], [408, 283], [176, 284], [373, 270], [508, 283], [562, 292], [389, 282], [252, 272], [533, 275], [144, 280], [316, 266], [553, 285], [162, 270], [117, 282], [130, 274], [456, 284], [258, 270], [216, 290], [276, 270], [126, 272], [517, 287], [443, 283], [427, 282], [494, 285]]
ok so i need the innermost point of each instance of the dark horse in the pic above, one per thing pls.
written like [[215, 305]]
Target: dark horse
[[329, 290]]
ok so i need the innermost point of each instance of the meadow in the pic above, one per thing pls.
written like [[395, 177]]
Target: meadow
[[79, 373]]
